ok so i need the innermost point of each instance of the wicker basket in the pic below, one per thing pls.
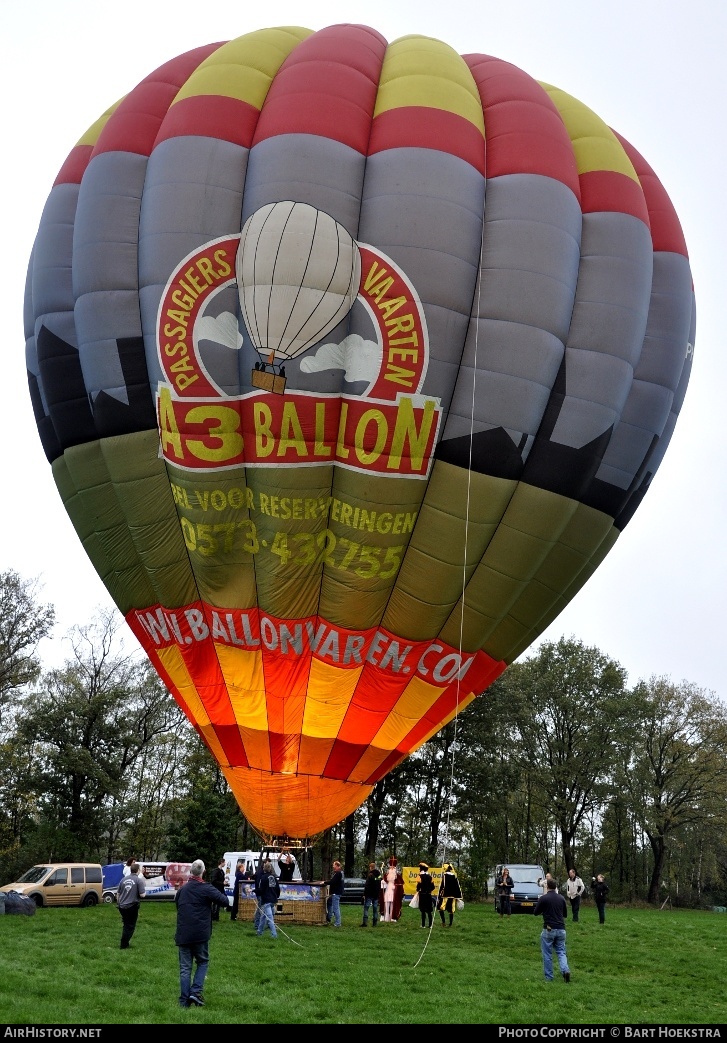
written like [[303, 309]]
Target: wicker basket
[[313, 912]]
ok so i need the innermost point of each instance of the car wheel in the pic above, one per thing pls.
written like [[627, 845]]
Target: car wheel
[[108, 898], [38, 899], [90, 899]]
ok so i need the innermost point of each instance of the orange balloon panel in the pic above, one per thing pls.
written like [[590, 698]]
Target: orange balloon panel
[[305, 717]]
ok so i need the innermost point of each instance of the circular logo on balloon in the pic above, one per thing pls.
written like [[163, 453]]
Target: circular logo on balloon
[[297, 275]]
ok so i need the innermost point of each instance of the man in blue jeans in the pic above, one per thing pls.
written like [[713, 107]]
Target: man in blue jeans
[[267, 892], [551, 906], [195, 901], [335, 892], [372, 894]]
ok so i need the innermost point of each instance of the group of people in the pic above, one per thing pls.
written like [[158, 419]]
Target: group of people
[[198, 905], [384, 894]]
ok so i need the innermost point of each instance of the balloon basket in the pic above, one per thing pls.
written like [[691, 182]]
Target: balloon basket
[[288, 911], [268, 381]]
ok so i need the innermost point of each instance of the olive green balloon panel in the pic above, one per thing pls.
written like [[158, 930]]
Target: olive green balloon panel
[[352, 360]]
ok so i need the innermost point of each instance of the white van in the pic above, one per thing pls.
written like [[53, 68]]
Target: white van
[[162, 879], [251, 861]]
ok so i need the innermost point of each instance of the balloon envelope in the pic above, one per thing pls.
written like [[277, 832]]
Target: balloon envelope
[[483, 300]]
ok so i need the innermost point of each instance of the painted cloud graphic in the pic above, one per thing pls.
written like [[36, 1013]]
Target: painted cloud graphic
[[221, 330], [361, 359]]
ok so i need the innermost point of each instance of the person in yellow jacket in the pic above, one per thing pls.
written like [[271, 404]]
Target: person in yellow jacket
[[449, 892]]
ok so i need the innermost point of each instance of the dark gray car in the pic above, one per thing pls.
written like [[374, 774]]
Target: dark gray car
[[526, 891]]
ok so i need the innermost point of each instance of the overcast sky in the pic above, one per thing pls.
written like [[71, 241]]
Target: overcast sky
[[652, 69]]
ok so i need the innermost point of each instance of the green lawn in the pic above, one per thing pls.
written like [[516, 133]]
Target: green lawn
[[64, 966]]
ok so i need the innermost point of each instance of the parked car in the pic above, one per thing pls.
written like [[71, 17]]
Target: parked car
[[163, 879], [353, 890], [526, 891], [61, 883]]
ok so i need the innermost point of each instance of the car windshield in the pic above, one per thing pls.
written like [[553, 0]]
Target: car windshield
[[34, 875], [523, 877]]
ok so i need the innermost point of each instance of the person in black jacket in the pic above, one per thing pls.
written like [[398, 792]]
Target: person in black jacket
[[335, 892], [267, 890], [600, 890], [286, 865], [194, 902], [449, 893], [218, 880], [241, 875], [551, 906], [425, 887], [372, 888]]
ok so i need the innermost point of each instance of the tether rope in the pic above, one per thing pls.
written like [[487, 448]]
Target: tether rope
[[464, 586]]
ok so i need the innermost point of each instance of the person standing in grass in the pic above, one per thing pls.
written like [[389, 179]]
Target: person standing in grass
[[543, 883], [267, 895], [449, 893], [574, 889], [392, 893], [195, 901], [257, 890], [218, 880], [335, 893], [600, 890], [425, 888], [551, 906], [240, 877], [504, 888], [372, 889], [129, 893]]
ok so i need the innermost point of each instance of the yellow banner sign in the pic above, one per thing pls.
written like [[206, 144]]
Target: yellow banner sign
[[410, 875]]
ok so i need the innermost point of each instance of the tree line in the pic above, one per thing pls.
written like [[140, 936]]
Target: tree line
[[560, 763]]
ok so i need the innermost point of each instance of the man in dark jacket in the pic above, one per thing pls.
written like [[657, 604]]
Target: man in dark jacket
[[195, 901], [267, 890], [218, 880], [600, 890], [241, 875], [257, 887], [335, 893], [551, 906], [372, 892]]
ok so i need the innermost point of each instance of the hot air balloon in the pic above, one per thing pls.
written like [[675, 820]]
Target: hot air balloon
[[298, 273], [482, 299]]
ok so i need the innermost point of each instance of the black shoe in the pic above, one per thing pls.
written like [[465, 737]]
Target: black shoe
[[183, 1002], [566, 977], [363, 925], [196, 1001]]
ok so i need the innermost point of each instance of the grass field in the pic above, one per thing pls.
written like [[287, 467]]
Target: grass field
[[643, 966]]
